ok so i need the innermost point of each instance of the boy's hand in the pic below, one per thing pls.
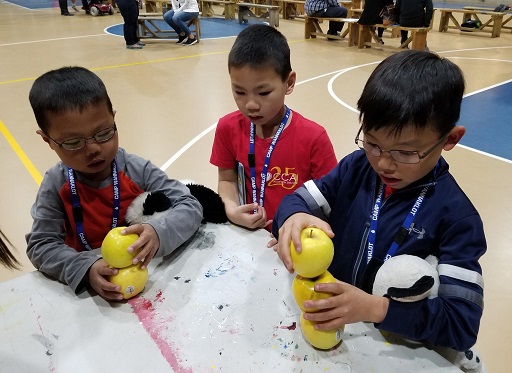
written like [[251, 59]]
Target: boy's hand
[[290, 231], [348, 304], [244, 216], [147, 244], [97, 278]]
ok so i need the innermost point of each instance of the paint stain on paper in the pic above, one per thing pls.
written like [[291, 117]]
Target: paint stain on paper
[[154, 326]]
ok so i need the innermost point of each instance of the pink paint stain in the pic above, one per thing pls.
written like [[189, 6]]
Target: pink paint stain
[[51, 364], [158, 297], [146, 313]]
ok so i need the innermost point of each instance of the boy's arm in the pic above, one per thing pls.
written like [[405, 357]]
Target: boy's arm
[[45, 243], [184, 216], [228, 189]]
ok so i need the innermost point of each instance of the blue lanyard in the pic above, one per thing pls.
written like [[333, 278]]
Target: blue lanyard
[[77, 208], [404, 229], [252, 162]]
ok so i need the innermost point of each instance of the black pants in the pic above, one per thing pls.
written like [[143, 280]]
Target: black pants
[[130, 12], [63, 5], [333, 12]]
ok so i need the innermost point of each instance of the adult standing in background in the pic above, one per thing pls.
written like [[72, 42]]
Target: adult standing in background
[[130, 12], [327, 9], [414, 13], [182, 11], [63, 5]]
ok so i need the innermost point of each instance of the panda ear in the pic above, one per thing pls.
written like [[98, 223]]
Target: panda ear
[[415, 292], [213, 207]]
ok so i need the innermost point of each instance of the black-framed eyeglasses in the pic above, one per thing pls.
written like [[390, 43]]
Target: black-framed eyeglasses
[[401, 156], [78, 143]]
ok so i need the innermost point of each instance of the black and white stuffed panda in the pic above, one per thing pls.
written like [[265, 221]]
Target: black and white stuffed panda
[[151, 204]]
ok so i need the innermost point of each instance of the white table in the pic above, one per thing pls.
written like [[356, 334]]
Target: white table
[[223, 303]]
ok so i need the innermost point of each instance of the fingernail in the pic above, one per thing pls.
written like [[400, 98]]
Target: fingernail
[[123, 231], [135, 261], [130, 249]]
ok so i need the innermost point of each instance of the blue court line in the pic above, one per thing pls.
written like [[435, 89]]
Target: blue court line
[[487, 116]]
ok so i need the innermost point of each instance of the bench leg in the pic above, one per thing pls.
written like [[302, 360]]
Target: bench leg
[[496, 25], [443, 23], [309, 28], [364, 36], [274, 17], [353, 34], [229, 11], [419, 40]]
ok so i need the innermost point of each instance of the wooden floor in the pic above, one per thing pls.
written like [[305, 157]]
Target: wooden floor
[[168, 99]]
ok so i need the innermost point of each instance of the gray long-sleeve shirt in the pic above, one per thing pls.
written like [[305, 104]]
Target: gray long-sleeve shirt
[[53, 228]]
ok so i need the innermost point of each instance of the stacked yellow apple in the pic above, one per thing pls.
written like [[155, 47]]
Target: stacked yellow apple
[[311, 266], [114, 250]]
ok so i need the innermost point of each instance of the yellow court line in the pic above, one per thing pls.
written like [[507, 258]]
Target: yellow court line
[[126, 65], [21, 154]]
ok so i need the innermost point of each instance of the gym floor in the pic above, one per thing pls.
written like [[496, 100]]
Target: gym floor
[[168, 99]]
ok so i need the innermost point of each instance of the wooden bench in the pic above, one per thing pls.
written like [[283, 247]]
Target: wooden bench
[[207, 10], [508, 14], [147, 27], [492, 26], [245, 13], [292, 9], [312, 29], [289, 8], [417, 37]]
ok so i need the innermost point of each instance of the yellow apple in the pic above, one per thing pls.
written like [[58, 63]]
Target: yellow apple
[[114, 248], [131, 279], [304, 289], [322, 339], [316, 255]]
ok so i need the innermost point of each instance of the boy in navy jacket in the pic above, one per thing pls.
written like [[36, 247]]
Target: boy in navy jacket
[[396, 196]]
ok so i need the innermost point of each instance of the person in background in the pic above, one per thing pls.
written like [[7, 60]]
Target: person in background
[[88, 193], [372, 14], [327, 9], [413, 13], [63, 5], [130, 11], [264, 137], [182, 11]]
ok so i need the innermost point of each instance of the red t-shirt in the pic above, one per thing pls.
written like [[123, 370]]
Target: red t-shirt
[[303, 152]]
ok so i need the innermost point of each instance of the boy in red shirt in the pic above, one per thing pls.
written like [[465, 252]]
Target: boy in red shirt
[[264, 137]]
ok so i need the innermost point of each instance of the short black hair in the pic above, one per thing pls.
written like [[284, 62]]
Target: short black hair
[[66, 89], [412, 88], [261, 46]]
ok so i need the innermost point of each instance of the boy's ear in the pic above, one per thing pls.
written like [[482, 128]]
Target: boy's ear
[[291, 82], [45, 138], [454, 137]]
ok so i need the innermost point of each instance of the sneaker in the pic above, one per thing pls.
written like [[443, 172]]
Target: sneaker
[[134, 46], [181, 39], [67, 14], [74, 8], [141, 43], [190, 41]]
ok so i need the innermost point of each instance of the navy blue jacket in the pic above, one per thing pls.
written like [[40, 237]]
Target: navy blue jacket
[[447, 225]]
